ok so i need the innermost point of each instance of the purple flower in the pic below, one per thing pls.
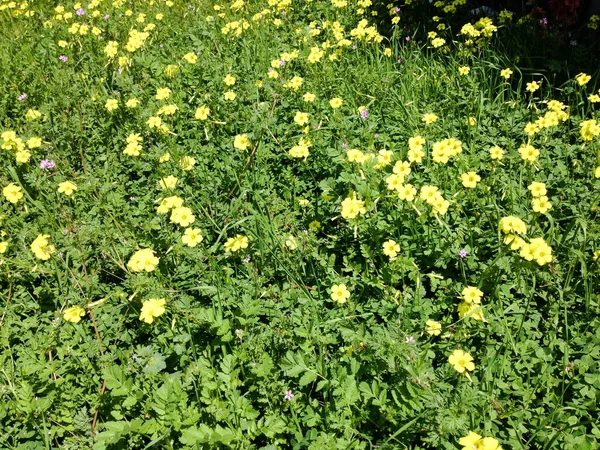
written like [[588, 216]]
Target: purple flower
[[354, 47], [47, 164], [364, 113], [22, 97], [376, 135], [132, 198], [246, 259], [409, 340], [396, 10], [399, 60], [106, 17], [407, 38], [344, 145], [80, 12], [543, 22], [63, 58], [463, 253], [282, 63], [289, 395], [120, 69]]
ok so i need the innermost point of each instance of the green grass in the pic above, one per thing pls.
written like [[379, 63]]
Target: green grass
[[242, 328]]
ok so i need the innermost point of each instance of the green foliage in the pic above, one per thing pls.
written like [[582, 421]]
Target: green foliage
[[251, 350]]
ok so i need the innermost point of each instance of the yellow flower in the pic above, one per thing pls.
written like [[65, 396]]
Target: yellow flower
[[528, 152], [464, 70], [537, 250], [143, 260], [41, 248], [168, 182], [583, 79], [401, 168], [537, 189], [461, 361], [489, 443], [355, 155], [314, 226], [531, 129], [191, 58], [111, 49], [336, 102], [151, 308], [589, 129], [202, 113], [438, 42], [229, 95], [13, 193], [597, 172], [470, 441], [406, 192], [3, 247], [163, 93], [241, 142], [74, 314], [340, 293], [470, 179], [429, 118], [391, 248], [166, 204], [132, 103], [291, 243], [236, 243], [384, 157], [67, 188], [34, 142], [154, 122], [428, 193], [471, 311], [187, 163], [394, 182], [351, 207], [541, 204], [315, 55], [496, 153], [168, 110], [433, 328], [301, 118], [229, 80], [512, 224], [182, 216], [387, 52], [471, 294], [532, 87], [111, 104], [22, 156], [192, 237], [164, 158], [308, 97], [506, 73], [32, 114]]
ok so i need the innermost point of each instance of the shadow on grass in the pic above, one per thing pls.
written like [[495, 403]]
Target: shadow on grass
[[533, 40]]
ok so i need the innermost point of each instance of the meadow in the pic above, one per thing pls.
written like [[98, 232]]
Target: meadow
[[286, 224]]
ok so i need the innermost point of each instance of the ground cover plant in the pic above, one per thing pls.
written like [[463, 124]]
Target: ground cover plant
[[281, 224]]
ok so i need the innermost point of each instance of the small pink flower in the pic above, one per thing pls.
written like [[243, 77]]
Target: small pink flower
[[289, 395]]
